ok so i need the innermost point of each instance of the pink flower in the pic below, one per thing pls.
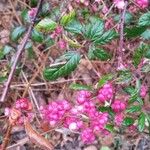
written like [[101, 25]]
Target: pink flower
[[118, 119], [87, 136], [105, 93], [58, 30], [62, 44], [143, 91], [119, 4], [23, 103], [142, 3], [118, 106], [32, 13], [7, 111]]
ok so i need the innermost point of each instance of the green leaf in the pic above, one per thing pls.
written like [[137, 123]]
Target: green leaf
[[53, 73], [128, 121], [141, 122], [94, 29], [76, 86], [25, 16], [91, 55], [74, 27], [2, 79], [104, 79], [67, 18], [29, 48], [133, 109], [105, 148], [46, 7], [131, 32], [106, 109], [101, 54], [17, 33], [46, 25], [37, 36], [146, 35], [146, 68], [125, 76], [147, 54], [48, 41], [106, 37], [109, 127], [128, 18], [139, 54], [130, 90], [33, 3], [5, 50], [144, 20]]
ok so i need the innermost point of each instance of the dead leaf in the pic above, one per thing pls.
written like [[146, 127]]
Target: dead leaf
[[36, 137]]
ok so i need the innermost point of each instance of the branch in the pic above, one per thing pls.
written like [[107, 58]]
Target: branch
[[18, 54], [121, 41]]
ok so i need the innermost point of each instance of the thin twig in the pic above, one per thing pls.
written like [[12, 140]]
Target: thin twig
[[121, 41], [7, 137], [37, 72], [18, 54]]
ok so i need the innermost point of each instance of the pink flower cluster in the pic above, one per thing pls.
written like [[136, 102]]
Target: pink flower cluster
[[143, 91], [21, 105], [142, 3], [119, 4], [58, 31], [84, 2], [82, 117], [32, 13], [62, 44], [118, 106], [105, 93], [55, 111]]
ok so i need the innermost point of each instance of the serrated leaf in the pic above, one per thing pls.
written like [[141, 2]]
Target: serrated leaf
[[147, 54], [17, 33], [74, 27], [53, 73], [146, 34], [130, 90], [25, 16], [106, 109], [45, 9], [37, 36], [106, 37], [94, 29], [128, 121], [67, 18], [141, 122], [76, 86], [128, 18], [109, 127], [46, 25], [133, 109], [72, 43], [144, 20], [139, 54], [131, 32], [125, 76], [146, 68], [101, 54], [5, 50], [91, 55], [104, 79]]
